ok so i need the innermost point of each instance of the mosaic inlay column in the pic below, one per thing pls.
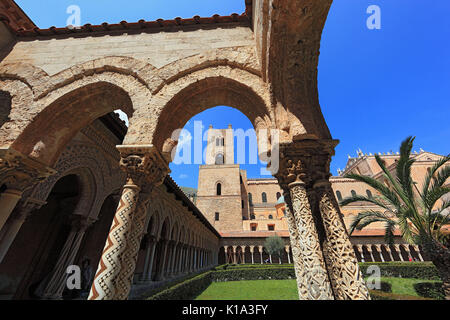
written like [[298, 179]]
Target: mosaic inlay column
[[293, 177], [145, 169]]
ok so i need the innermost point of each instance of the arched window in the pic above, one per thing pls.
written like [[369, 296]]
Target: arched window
[[264, 197], [250, 199], [252, 217], [219, 159], [219, 189], [353, 193], [369, 194], [270, 216], [339, 195], [278, 195]]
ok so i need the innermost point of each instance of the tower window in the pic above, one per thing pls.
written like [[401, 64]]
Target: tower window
[[270, 216], [339, 195], [219, 189], [271, 227], [220, 142], [253, 226], [217, 217], [219, 159], [369, 194], [264, 197], [353, 193]]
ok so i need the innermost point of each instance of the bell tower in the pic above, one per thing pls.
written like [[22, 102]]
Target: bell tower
[[219, 195]]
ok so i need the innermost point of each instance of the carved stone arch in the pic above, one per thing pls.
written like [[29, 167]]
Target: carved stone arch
[[198, 91], [142, 71], [33, 77], [45, 137], [156, 216], [165, 229], [174, 234], [16, 103], [239, 58]]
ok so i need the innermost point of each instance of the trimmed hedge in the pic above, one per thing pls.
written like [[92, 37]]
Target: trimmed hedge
[[380, 295], [253, 274], [187, 290], [415, 270], [432, 290], [192, 287]]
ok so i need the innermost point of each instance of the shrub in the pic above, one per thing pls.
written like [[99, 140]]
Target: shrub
[[415, 270], [432, 290], [380, 295], [253, 274], [186, 290]]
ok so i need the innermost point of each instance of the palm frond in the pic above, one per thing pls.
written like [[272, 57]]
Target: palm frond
[[431, 173], [377, 185], [404, 166], [365, 218], [389, 233]]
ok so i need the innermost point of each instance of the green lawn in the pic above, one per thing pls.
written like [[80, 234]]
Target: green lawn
[[283, 289], [251, 290], [404, 286]]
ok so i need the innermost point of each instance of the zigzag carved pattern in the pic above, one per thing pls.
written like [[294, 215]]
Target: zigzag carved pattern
[[110, 264]]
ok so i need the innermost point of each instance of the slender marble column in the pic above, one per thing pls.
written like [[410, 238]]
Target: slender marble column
[[260, 248], [287, 252], [12, 228], [399, 251], [380, 251], [417, 248], [55, 286], [252, 249], [149, 255], [388, 249]]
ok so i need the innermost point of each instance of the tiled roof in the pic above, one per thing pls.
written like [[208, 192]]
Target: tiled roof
[[19, 22], [254, 234]]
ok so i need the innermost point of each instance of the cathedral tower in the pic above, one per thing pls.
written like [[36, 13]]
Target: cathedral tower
[[219, 195]]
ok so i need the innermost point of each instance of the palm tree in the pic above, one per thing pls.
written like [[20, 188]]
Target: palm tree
[[419, 217]]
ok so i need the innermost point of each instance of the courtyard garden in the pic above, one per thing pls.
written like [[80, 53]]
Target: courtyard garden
[[399, 281]]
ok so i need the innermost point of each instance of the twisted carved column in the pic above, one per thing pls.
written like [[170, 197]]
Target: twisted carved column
[[145, 169], [18, 173], [314, 283]]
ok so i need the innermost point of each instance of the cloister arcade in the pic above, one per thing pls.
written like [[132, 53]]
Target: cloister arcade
[[263, 62]]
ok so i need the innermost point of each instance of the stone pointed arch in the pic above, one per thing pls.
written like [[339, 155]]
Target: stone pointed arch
[[55, 125], [198, 91]]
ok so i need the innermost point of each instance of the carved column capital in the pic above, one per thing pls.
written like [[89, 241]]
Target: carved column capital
[[19, 172], [144, 165], [26, 208], [80, 223], [305, 161]]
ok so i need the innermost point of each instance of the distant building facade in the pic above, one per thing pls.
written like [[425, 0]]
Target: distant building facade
[[246, 211]]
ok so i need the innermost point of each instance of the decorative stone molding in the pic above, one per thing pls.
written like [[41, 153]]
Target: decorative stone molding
[[144, 165], [20, 172]]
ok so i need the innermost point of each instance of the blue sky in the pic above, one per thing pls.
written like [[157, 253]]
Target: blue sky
[[376, 87]]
